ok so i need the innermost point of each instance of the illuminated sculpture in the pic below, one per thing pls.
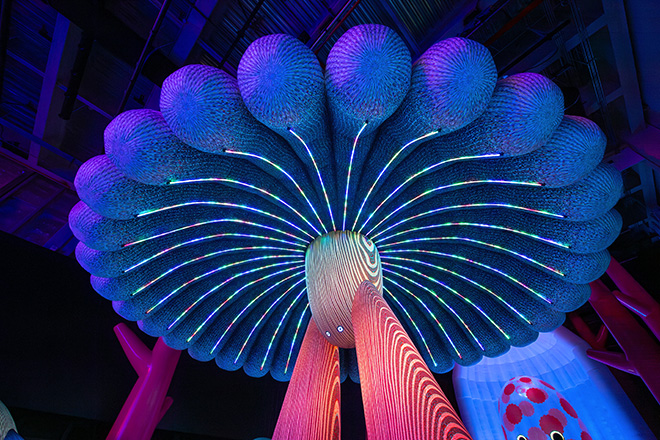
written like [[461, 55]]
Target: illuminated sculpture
[[531, 409], [485, 205]]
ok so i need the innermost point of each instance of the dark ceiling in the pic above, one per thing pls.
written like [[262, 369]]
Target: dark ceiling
[[67, 67]]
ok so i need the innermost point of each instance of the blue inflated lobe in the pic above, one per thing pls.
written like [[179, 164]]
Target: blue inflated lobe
[[489, 207]]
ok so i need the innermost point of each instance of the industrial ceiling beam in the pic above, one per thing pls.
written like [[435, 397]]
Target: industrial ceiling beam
[[144, 54], [60, 86], [332, 27], [241, 33], [401, 28], [191, 30], [590, 61], [5, 21], [115, 36], [189, 35], [454, 20], [46, 116], [617, 24]]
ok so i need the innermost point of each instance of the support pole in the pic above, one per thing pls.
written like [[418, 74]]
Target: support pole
[[633, 296], [641, 353], [311, 408], [402, 399], [147, 403]]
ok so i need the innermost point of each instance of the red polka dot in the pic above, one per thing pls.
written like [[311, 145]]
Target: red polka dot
[[505, 398], [526, 379], [582, 427], [509, 427], [559, 415], [527, 408], [568, 408], [536, 395], [549, 423], [509, 389], [535, 433], [513, 413], [547, 384], [585, 436]]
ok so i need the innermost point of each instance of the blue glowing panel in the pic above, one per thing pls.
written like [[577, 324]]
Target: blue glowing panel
[[516, 390], [490, 208]]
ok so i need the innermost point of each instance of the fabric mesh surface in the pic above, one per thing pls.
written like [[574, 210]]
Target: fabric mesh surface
[[489, 207]]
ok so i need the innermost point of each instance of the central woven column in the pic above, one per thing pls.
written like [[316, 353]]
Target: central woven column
[[335, 265]]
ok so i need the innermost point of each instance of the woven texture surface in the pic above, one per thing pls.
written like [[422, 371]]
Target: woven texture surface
[[490, 209]]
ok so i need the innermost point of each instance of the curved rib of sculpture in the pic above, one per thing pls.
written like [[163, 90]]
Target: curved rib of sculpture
[[402, 400], [489, 207]]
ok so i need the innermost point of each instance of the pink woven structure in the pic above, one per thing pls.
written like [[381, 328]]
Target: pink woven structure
[[402, 399], [147, 402], [641, 352], [311, 408]]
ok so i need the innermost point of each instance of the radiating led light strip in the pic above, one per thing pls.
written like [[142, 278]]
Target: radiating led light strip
[[318, 173], [463, 277], [295, 336], [203, 257], [254, 300], [265, 277], [247, 185], [469, 206], [447, 306], [228, 205], [419, 173], [452, 185], [456, 293], [383, 254], [479, 242], [478, 225], [279, 168], [274, 303], [284, 315], [215, 288], [212, 237], [348, 176], [385, 169], [218, 269], [209, 222], [421, 336]]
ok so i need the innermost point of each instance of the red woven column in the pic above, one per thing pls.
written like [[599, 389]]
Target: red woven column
[[311, 407], [402, 399]]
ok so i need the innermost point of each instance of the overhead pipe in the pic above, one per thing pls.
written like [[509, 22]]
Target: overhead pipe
[[241, 32], [536, 45], [114, 35], [143, 55], [332, 27], [5, 19], [511, 23], [77, 72], [468, 34], [26, 134]]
